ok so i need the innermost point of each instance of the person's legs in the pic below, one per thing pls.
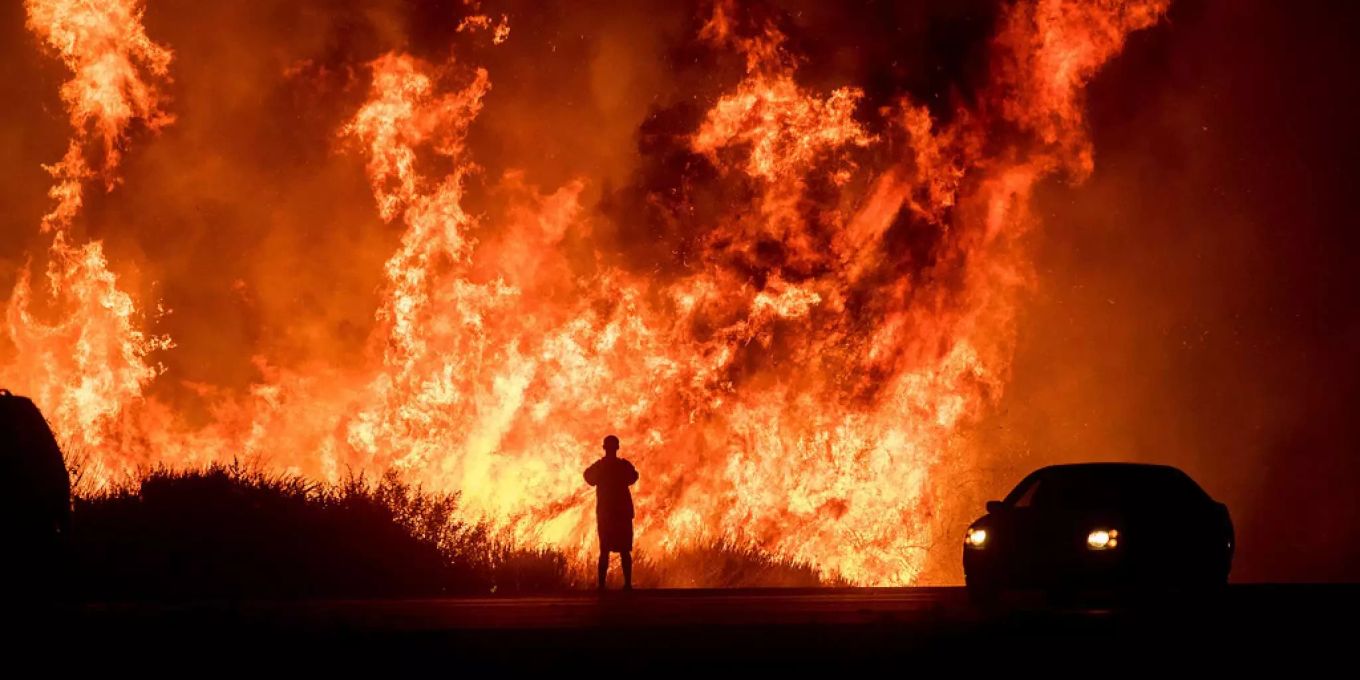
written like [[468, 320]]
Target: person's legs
[[626, 557], [604, 566]]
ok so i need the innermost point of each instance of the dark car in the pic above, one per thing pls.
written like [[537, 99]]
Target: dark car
[[1099, 527]]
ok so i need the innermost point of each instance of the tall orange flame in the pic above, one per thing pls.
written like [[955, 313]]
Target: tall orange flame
[[92, 362]]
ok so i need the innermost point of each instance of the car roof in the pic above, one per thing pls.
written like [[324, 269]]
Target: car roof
[[1121, 472], [1109, 467], [1128, 476]]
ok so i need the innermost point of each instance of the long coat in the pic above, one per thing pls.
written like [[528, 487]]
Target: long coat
[[611, 476]]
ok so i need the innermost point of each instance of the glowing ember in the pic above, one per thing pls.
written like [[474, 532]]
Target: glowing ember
[[799, 384]]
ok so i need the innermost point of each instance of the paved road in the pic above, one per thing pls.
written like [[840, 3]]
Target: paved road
[[651, 609], [677, 628]]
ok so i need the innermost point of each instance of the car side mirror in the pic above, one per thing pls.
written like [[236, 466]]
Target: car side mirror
[[994, 507]]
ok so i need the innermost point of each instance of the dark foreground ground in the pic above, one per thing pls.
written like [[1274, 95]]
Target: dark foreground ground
[[1305, 626]]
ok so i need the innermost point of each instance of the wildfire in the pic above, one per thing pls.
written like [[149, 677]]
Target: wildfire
[[800, 384]]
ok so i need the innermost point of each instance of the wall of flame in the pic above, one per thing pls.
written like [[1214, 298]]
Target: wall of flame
[[791, 297]]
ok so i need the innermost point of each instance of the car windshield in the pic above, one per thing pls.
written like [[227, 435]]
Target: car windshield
[[1105, 486]]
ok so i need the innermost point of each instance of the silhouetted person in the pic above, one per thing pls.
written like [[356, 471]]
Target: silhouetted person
[[35, 500], [611, 476]]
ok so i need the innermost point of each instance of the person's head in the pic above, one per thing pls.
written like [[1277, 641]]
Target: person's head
[[611, 445]]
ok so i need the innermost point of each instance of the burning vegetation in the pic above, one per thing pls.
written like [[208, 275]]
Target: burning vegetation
[[791, 307]]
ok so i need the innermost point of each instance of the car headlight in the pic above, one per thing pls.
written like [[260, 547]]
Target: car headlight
[[977, 537], [1102, 539]]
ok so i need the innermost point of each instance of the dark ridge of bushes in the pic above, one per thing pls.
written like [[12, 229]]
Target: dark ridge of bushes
[[230, 532]]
